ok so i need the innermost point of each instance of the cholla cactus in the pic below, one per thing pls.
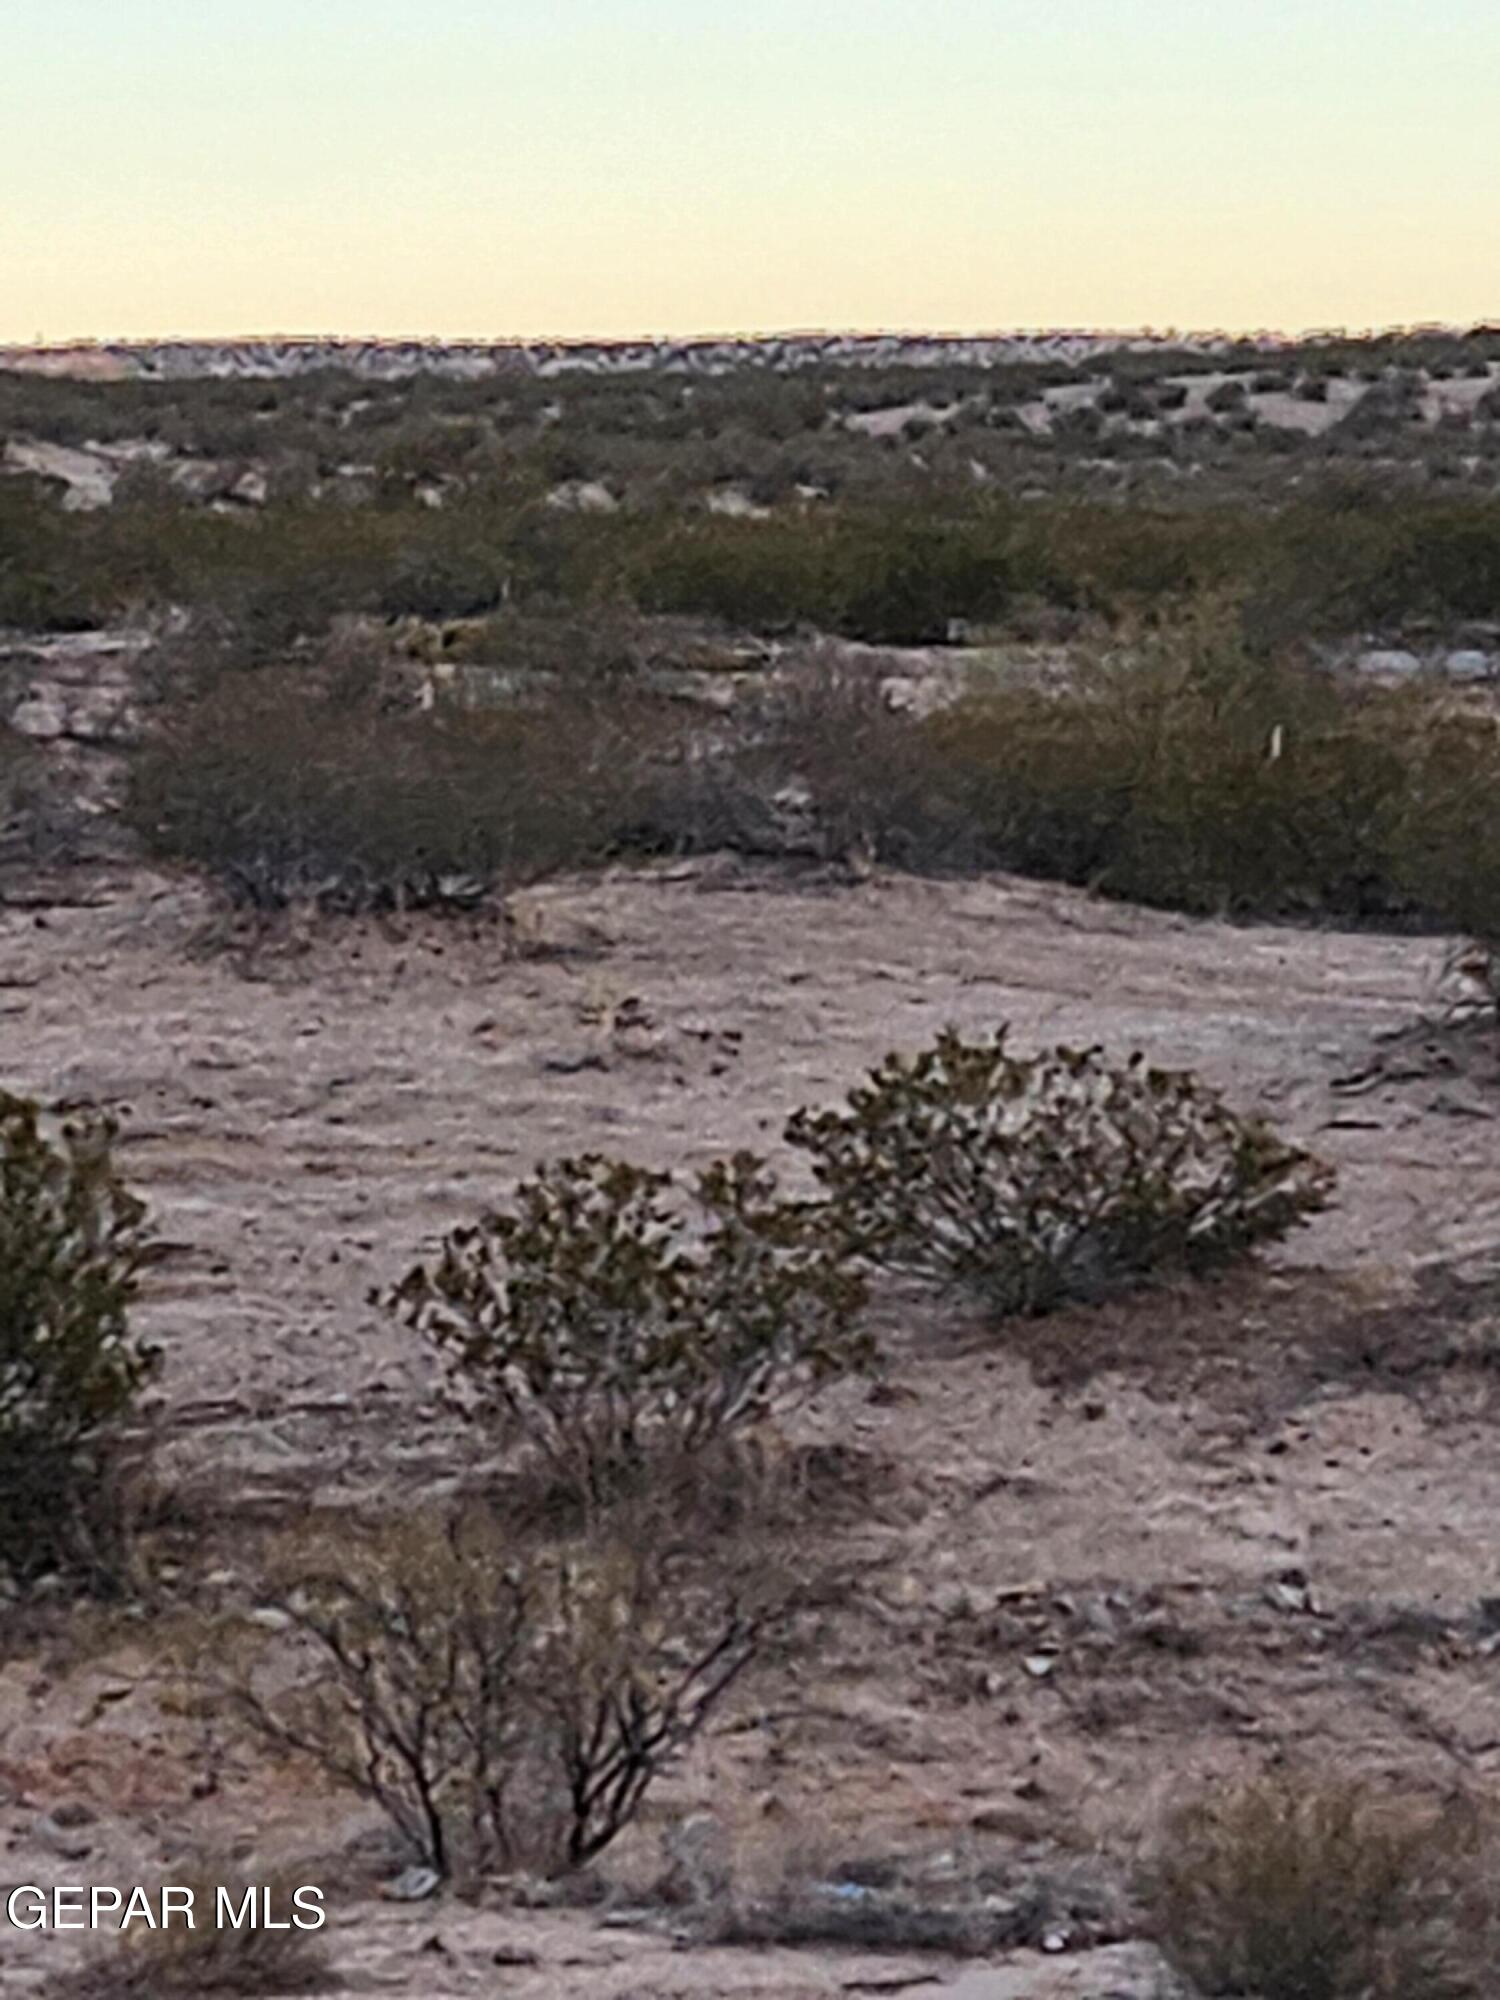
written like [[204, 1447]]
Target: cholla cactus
[[1036, 1179]]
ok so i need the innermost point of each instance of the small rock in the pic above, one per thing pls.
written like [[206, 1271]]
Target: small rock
[[74, 1812], [269, 1618], [567, 1062], [412, 1885], [71, 1846], [39, 718], [1468, 664], [1389, 663]]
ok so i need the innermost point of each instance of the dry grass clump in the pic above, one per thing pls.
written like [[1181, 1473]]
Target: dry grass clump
[[1296, 1888], [207, 1957]]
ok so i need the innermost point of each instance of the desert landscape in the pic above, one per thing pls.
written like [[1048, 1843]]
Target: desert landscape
[[1052, 1540]]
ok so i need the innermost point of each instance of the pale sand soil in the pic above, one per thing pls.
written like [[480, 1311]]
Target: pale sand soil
[[1237, 1521]]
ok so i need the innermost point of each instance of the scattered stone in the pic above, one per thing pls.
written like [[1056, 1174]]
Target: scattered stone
[[1389, 663], [1468, 664], [63, 1840], [568, 1062], [412, 1885]]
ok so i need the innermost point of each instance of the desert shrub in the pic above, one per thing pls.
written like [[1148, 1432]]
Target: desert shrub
[[816, 759], [35, 821], [1295, 1889], [1446, 562], [873, 785], [609, 1312], [72, 1239], [1447, 840], [205, 1957], [886, 575], [1226, 396], [1031, 1180], [1184, 771], [502, 1706], [285, 790]]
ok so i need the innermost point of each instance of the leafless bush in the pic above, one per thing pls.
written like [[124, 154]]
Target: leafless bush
[[504, 1706], [288, 788], [874, 785]]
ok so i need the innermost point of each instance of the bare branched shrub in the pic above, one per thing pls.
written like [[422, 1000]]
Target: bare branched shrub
[[874, 783], [72, 1240], [504, 1706], [631, 1665], [1036, 1179], [1295, 1889], [41, 818], [611, 1312], [208, 1956], [289, 788]]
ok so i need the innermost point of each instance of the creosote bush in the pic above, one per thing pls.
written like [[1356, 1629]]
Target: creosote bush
[[611, 1312], [1031, 1180], [1292, 1888], [72, 1239], [505, 1705]]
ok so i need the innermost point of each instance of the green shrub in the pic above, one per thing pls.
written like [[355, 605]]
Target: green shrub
[[1031, 1180], [1301, 1890], [72, 1239], [889, 576], [1186, 772], [1447, 840], [609, 1314], [502, 1706], [1445, 563]]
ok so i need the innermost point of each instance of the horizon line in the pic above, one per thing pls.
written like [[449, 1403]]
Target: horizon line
[[1390, 331]]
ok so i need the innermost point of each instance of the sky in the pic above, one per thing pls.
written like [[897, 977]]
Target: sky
[[628, 167]]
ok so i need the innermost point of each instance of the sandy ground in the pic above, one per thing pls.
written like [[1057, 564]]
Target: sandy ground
[[1127, 1550]]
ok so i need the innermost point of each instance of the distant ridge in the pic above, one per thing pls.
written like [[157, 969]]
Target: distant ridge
[[170, 360]]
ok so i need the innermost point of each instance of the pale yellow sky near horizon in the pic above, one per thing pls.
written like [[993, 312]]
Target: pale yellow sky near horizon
[[622, 167]]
